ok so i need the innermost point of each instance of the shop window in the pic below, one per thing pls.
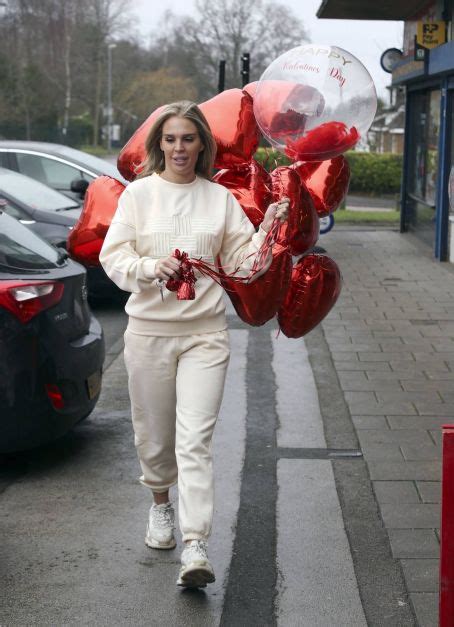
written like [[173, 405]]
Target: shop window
[[433, 130], [423, 163], [425, 126]]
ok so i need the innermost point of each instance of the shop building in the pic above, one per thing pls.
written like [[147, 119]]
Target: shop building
[[427, 74]]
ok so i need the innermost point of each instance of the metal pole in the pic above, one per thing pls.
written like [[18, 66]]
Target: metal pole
[[444, 157], [446, 598], [405, 218], [109, 95], [221, 83]]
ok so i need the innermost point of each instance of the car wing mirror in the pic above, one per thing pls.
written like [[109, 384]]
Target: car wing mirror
[[79, 186]]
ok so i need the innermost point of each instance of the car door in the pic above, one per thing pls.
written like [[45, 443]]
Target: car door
[[51, 171], [6, 161], [54, 233]]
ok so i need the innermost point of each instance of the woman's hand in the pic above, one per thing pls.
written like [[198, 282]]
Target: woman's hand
[[277, 209], [167, 268]]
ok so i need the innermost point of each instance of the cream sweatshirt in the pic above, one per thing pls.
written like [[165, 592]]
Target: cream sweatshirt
[[153, 218]]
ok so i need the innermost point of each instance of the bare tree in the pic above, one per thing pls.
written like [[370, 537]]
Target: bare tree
[[107, 19], [224, 29], [58, 68], [53, 60]]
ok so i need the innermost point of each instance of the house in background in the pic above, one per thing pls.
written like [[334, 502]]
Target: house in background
[[426, 73], [387, 131]]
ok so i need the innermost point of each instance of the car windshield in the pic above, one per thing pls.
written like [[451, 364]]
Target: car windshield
[[21, 249], [90, 161], [32, 193]]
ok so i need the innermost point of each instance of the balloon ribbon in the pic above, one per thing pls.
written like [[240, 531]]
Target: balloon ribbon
[[184, 284]]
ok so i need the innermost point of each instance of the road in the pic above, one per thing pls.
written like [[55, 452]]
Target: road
[[73, 513]]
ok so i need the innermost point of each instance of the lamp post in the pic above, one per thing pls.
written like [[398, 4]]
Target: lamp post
[[109, 95]]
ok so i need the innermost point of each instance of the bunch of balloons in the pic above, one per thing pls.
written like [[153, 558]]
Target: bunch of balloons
[[312, 104]]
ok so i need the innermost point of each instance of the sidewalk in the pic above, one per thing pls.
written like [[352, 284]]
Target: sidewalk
[[356, 202], [307, 532], [391, 338]]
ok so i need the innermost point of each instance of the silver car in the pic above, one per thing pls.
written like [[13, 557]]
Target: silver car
[[67, 170]]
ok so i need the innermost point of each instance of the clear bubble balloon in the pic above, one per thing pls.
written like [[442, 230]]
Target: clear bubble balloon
[[315, 102]]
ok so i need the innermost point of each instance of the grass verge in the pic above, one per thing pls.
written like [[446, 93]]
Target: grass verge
[[346, 216]]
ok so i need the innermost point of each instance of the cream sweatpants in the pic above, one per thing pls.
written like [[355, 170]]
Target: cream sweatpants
[[176, 386]]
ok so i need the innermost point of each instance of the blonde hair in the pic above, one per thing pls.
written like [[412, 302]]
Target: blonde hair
[[154, 161]]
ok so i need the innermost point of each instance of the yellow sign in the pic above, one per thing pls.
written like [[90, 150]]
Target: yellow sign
[[431, 34]]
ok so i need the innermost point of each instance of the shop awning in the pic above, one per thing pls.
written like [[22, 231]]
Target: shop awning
[[370, 9]]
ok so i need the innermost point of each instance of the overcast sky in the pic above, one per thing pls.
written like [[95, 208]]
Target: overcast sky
[[366, 40]]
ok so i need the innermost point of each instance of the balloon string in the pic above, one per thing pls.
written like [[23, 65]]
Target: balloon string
[[184, 285]]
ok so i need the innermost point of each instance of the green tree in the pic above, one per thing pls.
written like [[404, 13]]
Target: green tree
[[149, 90]]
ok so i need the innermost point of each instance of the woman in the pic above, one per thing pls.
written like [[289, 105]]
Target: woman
[[177, 351]]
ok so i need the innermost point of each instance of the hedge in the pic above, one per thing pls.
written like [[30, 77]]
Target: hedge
[[371, 172], [375, 173], [270, 158]]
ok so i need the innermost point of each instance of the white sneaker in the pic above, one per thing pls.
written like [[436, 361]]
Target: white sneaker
[[161, 523], [196, 570]]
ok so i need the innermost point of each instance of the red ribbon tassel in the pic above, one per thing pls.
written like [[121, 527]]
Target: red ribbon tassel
[[184, 285]]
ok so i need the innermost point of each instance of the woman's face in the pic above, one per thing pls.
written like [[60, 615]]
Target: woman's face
[[181, 144]]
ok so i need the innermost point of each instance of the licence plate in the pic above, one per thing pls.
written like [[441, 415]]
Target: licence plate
[[94, 384]]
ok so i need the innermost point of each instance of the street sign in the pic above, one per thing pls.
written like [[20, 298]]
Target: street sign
[[431, 34]]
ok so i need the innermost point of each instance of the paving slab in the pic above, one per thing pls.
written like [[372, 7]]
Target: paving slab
[[419, 423], [370, 422], [426, 608], [414, 543], [399, 471], [396, 492], [424, 452], [410, 515], [317, 560], [421, 575], [383, 452], [430, 491], [394, 436]]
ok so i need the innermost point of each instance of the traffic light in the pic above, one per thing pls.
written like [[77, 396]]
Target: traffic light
[[221, 83], [245, 68]]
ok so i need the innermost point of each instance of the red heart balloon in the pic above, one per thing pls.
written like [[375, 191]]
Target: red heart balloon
[[327, 140], [232, 122], [133, 152], [327, 182], [257, 302], [313, 291], [300, 231], [231, 118], [282, 108], [251, 88], [86, 239], [251, 186]]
